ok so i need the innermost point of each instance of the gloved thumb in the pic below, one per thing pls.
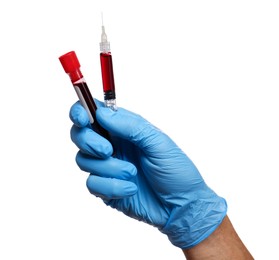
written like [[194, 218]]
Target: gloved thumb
[[133, 127]]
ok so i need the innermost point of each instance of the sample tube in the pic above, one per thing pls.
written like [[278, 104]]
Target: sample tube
[[107, 72], [71, 66]]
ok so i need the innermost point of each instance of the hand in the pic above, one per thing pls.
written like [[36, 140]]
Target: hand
[[148, 178]]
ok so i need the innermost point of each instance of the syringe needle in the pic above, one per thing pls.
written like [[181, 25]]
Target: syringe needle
[[102, 19]]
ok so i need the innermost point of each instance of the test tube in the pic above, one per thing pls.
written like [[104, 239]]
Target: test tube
[[71, 65]]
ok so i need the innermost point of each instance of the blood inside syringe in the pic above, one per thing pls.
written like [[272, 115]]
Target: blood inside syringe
[[107, 76]]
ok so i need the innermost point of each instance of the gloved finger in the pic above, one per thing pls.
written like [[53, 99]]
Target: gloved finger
[[133, 127], [91, 143], [110, 188], [78, 115], [110, 167]]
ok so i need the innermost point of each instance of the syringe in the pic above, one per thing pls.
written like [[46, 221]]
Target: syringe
[[107, 71]]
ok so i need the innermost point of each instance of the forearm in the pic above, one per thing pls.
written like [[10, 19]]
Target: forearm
[[223, 243]]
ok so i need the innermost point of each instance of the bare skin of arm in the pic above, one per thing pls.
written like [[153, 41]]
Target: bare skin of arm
[[222, 244]]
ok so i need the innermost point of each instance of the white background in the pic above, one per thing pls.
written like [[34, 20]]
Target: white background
[[205, 72]]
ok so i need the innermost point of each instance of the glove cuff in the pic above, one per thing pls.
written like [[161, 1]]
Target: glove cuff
[[190, 224]]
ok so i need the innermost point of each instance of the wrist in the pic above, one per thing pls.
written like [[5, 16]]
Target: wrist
[[197, 219], [224, 242]]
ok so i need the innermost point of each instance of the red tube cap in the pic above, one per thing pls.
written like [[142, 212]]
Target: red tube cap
[[71, 65], [69, 62]]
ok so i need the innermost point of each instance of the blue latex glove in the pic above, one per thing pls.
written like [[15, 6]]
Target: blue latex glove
[[149, 178]]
